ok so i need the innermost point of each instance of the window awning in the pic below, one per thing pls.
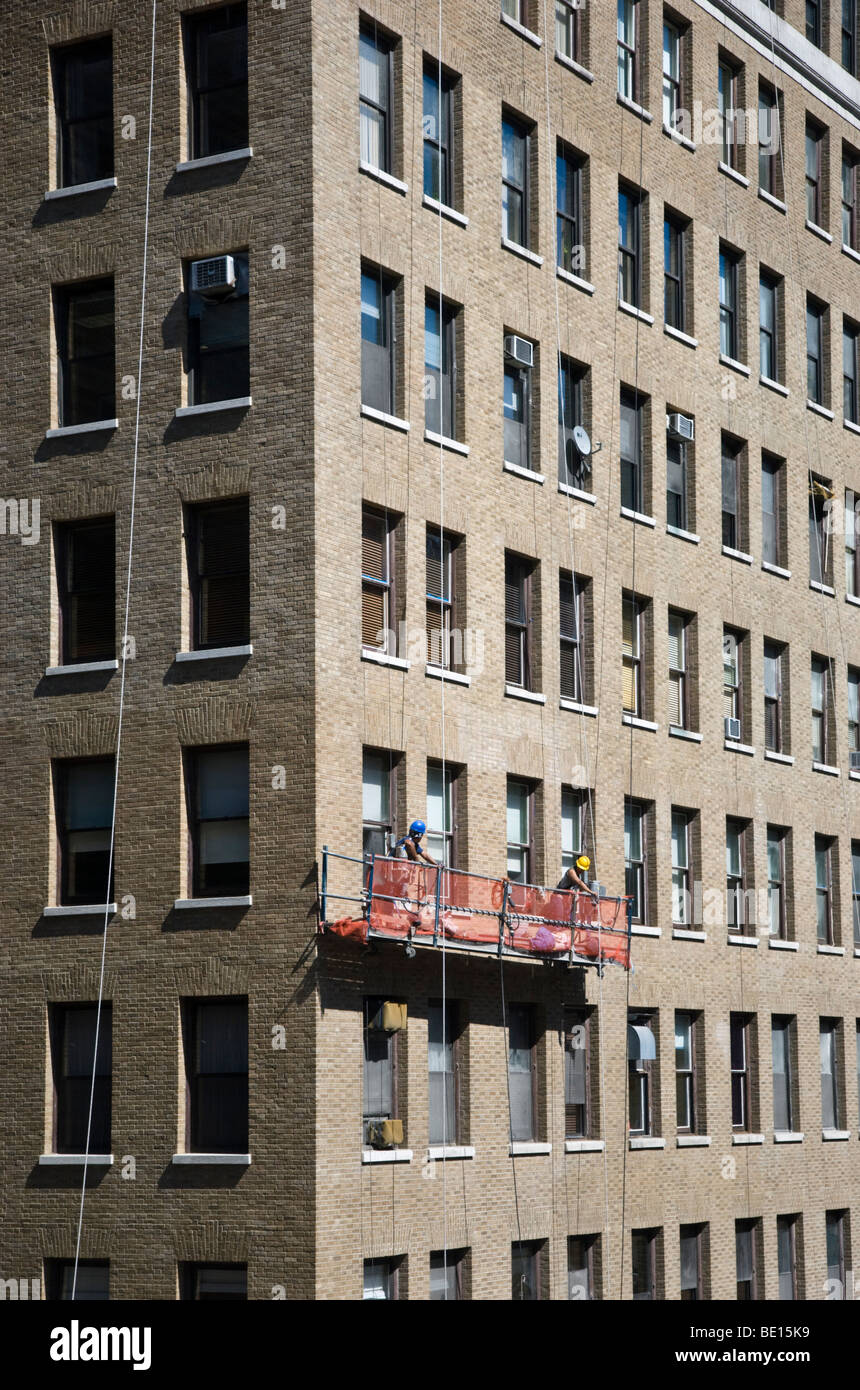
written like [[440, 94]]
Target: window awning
[[641, 1043]]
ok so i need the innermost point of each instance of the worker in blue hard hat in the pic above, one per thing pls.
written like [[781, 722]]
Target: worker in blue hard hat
[[410, 846]]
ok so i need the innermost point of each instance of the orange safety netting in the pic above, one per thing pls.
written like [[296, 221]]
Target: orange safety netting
[[403, 904]]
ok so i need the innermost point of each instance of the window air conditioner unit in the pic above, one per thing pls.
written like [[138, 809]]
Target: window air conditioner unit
[[681, 426], [390, 1017], [733, 729], [214, 276], [855, 760], [385, 1134], [519, 350]]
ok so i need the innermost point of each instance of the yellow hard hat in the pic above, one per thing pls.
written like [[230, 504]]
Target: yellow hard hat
[[583, 862]]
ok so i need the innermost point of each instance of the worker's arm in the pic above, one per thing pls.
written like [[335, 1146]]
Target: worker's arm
[[426, 856]]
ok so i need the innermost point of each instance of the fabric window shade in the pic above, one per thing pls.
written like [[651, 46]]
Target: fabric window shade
[[89, 795], [375, 791], [222, 784]]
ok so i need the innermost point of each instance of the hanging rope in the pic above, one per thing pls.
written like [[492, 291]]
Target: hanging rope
[[125, 647]]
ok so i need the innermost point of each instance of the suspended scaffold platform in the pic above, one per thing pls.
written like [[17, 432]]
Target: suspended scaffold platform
[[426, 905]]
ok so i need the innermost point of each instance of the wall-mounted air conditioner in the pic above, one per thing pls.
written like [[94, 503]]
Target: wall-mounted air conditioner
[[733, 729], [217, 275], [681, 427], [519, 350]]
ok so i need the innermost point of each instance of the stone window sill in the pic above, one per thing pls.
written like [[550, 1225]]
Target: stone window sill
[[740, 555], [527, 473], [817, 231], [737, 940], [216, 653], [574, 66], [584, 1146], [75, 1160], [647, 1141], [439, 673], [454, 445], [443, 1152], [386, 1155], [382, 177], [851, 425], [81, 910], [734, 364], [576, 708], [822, 588], [383, 418], [183, 412], [639, 517], [634, 106], [829, 1135], [212, 1160], [228, 157], [774, 202], [683, 535], [638, 929], [733, 174], [523, 251], [635, 312], [683, 934], [528, 34], [772, 385], [787, 1136], [522, 1148], [820, 409], [776, 944], [679, 139], [634, 722], [574, 280], [516, 692], [747, 1138], [824, 950], [827, 769], [693, 1141], [580, 495], [91, 427], [444, 210], [77, 190], [745, 748], [773, 757], [383, 659], [232, 900], [82, 668], [849, 251], [675, 731], [775, 569], [679, 336]]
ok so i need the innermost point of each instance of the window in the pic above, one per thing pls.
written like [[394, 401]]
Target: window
[[855, 889], [218, 352], [382, 1278], [731, 466], [850, 376], [518, 601], [519, 826], [682, 834], [771, 509], [674, 271], [852, 534], [84, 317], [768, 330], [824, 882], [820, 701], [219, 554], [220, 854], [685, 1072], [747, 1259], [217, 1283], [217, 1075], [517, 413], [378, 319], [848, 51], [692, 1263], [377, 794], [677, 507], [628, 56], [83, 103], [740, 1030], [828, 1037], [849, 198], [526, 1260], [574, 826], [815, 316], [438, 127], [632, 466], [443, 1075], [736, 873], [73, 1047], [632, 670], [776, 881], [727, 103], [679, 693], [642, 1069], [378, 630], [441, 813], [447, 1274], [93, 1282], [522, 1078], [644, 1264], [85, 558], [84, 793], [773, 715], [814, 145], [568, 30], [630, 285], [216, 45], [813, 22], [782, 1029], [729, 316], [768, 142], [672, 68], [516, 154], [835, 1227], [571, 602], [570, 241], [440, 578], [820, 499], [732, 673], [440, 367], [635, 884], [583, 1257], [787, 1228], [577, 1069], [381, 1071], [574, 468], [375, 104]]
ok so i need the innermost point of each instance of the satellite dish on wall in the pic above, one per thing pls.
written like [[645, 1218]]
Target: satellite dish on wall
[[581, 440]]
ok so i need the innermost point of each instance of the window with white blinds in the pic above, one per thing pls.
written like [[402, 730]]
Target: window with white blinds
[[571, 599], [440, 598], [677, 670], [376, 583], [518, 579], [631, 654]]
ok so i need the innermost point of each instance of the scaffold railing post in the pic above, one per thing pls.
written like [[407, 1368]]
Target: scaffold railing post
[[323, 887], [438, 895], [503, 915], [369, 901]]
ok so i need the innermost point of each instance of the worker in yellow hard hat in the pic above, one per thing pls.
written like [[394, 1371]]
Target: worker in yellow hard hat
[[573, 877]]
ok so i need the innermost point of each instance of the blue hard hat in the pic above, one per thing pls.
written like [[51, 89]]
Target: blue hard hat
[[417, 827]]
